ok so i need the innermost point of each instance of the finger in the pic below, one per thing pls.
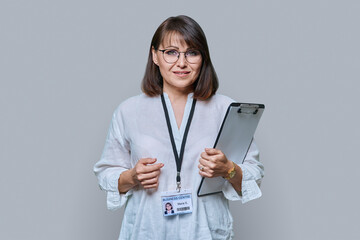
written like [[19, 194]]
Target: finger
[[204, 155], [150, 181], [152, 168], [204, 162], [211, 158], [218, 156], [151, 186], [145, 176], [147, 160], [143, 169], [209, 173], [210, 167], [205, 174], [212, 151], [207, 164], [201, 167]]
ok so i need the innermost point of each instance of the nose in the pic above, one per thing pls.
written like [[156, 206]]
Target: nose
[[181, 62]]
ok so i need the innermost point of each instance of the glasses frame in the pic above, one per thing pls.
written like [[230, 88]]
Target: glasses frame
[[163, 51]]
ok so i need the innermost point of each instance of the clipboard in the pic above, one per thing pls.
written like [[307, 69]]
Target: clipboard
[[234, 139]]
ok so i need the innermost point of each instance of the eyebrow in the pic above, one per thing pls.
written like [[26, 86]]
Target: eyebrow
[[188, 49], [172, 47]]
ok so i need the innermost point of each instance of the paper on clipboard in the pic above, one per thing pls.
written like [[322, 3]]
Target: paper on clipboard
[[234, 139]]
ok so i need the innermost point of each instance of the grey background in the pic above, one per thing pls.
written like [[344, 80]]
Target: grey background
[[66, 65]]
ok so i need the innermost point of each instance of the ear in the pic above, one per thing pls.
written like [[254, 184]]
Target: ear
[[154, 56]]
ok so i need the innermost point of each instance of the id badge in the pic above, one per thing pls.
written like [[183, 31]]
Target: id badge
[[175, 203]]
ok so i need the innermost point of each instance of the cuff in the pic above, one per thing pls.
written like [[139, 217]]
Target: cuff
[[249, 189], [230, 193], [115, 200]]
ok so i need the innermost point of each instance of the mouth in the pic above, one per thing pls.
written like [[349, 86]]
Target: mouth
[[181, 73]]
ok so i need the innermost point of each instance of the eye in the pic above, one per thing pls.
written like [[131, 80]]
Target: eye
[[192, 53], [171, 52]]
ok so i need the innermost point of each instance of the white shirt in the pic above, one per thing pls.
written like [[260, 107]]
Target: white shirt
[[138, 130]]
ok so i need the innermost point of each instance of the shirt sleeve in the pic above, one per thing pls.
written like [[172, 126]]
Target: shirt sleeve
[[115, 159], [253, 172]]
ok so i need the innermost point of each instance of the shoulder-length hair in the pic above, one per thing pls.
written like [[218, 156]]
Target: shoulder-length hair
[[207, 83]]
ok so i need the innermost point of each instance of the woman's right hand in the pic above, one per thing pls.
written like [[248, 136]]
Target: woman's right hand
[[146, 172]]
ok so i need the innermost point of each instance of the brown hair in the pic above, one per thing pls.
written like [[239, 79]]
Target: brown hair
[[207, 83]]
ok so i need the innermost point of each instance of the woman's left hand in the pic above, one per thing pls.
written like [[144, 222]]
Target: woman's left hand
[[213, 163]]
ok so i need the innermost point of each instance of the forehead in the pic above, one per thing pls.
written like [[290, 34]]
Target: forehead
[[174, 39]]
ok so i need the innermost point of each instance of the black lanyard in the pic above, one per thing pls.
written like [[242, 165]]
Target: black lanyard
[[177, 158]]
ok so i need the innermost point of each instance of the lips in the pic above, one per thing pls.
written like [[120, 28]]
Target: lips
[[181, 73]]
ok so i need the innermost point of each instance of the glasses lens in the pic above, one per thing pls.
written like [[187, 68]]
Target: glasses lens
[[193, 56], [171, 56]]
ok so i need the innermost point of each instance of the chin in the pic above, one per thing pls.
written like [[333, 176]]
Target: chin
[[184, 84], [185, 87]]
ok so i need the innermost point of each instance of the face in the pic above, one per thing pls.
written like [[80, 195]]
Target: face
[[178, 76], [168, 207]]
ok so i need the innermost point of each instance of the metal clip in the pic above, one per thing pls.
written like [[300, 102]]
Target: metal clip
[[178, 182], [248, 108], [178, 186]]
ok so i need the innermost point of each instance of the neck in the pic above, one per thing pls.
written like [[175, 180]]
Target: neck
[[177, 95]]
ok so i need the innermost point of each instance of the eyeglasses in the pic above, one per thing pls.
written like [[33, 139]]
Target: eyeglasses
[[171, 55]]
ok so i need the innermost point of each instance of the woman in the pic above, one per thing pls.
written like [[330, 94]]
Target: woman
[[146, 161], [168, 209]]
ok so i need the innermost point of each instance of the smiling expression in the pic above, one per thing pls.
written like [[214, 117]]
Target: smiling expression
[[168, 206], [178, 76]]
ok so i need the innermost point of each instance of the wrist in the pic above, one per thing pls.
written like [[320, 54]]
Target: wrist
[[134, 178], [127, 180], [231, 170]]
